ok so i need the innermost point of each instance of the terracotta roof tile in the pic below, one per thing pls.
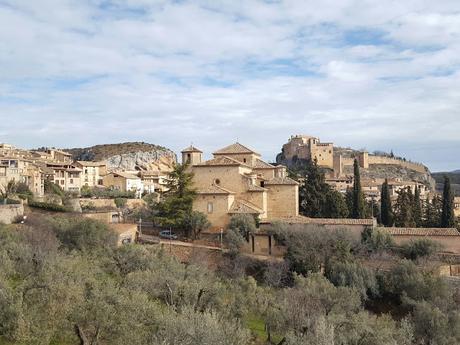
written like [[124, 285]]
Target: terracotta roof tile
[[323, 221], [191, 148], [214, 189], [222, 160], [255, 188], [260, 164], [422, 231], [281, 180], [240, 206], [234, 149], [91, 164]]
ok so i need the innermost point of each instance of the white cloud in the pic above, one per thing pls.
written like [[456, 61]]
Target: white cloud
[[362, 73]]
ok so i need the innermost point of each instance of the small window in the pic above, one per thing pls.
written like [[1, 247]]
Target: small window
[[262, 183], [244, 160], [210, 207], [71, 181]]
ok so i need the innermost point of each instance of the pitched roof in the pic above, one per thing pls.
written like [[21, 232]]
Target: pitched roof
[[255, 188], [214, 189], [260, 164], [126, 175], [191, 148], [422, 231], [281, 180], [234, 149], [322, 221], [221, 160], [240, 206], [91, 164]]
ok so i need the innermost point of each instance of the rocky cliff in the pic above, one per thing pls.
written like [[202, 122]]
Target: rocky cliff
[[128, 156]]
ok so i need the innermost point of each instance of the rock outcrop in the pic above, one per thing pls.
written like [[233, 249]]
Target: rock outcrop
[[128, 156]]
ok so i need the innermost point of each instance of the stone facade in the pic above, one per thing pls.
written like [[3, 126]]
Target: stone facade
[[449, 239], [309, 148], [92, 172], [66, 175], [238, 181]]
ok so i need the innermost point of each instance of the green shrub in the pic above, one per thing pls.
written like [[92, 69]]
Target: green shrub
[[420, 248], [120, 202], [9, 202], [52, 188], [48, 206]]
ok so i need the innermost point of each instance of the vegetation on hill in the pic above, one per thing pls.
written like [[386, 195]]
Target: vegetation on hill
[[102, 152], [63, 281]]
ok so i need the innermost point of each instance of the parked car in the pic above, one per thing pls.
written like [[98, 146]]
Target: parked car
[[168, 234]]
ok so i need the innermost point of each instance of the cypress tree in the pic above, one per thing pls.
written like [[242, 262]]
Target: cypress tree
[[403, 209], [386, 210], [448, 216], [311, 192], [358, 197], [417, 208]]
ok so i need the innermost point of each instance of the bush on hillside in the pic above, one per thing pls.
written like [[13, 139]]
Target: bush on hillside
[[48, 206]]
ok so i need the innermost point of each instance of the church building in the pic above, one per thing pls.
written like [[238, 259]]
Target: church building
[[236, 180]]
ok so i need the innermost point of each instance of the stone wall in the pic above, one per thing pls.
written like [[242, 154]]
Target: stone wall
[[219, 217], [450, 244], [347, 161], [10, 213], [283, 201]]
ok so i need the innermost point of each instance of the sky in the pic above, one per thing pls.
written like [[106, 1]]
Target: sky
[[366, 74]]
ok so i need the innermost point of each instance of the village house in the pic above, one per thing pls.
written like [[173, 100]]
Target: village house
[[237, 181], [92, 172], [124, 182], [457, 206], [66, 175], [154, 181], [21, 171]]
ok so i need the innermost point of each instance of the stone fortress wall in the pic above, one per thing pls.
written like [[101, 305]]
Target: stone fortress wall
[[373, 160]]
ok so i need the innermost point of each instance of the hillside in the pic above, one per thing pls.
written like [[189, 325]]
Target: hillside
[[127, 156], [454, 177], [393, 168]]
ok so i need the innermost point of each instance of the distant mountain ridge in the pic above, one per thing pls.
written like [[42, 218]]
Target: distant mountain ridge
[[139, 156]]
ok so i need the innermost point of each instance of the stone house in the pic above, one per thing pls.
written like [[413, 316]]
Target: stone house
[[92, 172], [66, 175], [457, 206], [124, 182], [154, 181], [237, 181], [24, 171]]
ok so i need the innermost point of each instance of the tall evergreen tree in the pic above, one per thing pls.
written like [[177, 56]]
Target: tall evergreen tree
[[417, 208], [403, 209], [448, 216], [433, 211], [386, 210], [317, 198], [176, 207], [311, 192], [358, 196]]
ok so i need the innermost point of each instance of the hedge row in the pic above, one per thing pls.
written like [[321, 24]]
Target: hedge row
[[48, 206]]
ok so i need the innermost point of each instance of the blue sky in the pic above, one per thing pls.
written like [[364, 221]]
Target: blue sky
[[380, 75]]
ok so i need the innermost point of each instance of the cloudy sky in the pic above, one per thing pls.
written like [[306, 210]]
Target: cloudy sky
[[362, 73]]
